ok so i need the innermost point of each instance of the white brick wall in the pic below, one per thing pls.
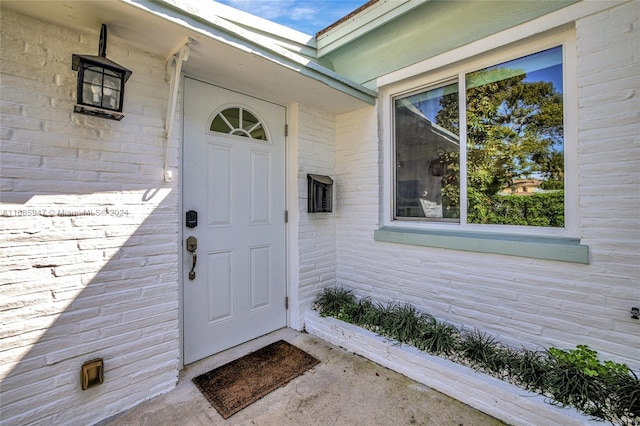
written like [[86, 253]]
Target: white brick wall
[[316, 231], [523, 300], [73, 286]]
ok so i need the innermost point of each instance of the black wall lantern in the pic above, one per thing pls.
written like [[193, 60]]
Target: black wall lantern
[[100, 82]]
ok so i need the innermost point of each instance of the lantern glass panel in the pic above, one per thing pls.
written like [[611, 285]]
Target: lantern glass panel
[[102, 88], [92, 86], [111, 91]]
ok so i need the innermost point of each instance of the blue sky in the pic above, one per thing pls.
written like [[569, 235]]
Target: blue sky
[[307, 16]]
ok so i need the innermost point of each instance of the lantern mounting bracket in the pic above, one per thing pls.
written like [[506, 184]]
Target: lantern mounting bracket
[[102, 45], [178, 56]]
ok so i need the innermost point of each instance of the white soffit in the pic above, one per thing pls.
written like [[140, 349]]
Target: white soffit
[[222, 53], [268, 69], [363, 22]]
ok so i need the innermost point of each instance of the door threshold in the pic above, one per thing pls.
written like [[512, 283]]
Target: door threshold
[[201, 366]]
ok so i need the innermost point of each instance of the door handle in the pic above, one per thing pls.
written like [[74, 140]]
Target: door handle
[[192, 246]]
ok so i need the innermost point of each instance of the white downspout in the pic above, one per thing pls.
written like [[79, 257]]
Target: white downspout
[[174, 76]]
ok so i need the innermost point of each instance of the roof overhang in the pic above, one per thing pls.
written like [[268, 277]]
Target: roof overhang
[[365, 19], [221, 52]]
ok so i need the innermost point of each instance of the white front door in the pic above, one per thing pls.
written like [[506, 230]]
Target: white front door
[[234, 178]]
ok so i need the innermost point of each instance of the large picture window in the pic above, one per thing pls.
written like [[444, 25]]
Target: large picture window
[[485, 147]]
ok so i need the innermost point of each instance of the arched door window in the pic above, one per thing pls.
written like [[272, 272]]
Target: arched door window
[[239, 122]]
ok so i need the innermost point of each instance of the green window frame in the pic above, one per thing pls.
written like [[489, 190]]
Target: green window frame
[[426, 220]]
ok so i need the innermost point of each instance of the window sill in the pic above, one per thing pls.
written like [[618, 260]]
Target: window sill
[[549, 248]]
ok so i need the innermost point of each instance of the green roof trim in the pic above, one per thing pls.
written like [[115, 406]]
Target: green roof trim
[[365, 19], [549, 248], [364, 49]]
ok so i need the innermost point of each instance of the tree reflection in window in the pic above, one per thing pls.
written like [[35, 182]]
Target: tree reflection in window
[[513, 146], [239, 122]]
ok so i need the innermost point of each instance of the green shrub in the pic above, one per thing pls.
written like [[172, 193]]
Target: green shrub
[[527, 368], [354, 310], [436, 337], [551, 185], [624, 389], [586, 360], [333, 300], [402, 323], [484, 351], [606, 390], [543, 209]]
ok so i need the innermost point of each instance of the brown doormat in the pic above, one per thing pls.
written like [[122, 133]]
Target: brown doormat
[[235, 385]]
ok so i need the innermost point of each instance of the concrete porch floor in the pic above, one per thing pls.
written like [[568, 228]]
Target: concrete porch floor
[[344, 389]]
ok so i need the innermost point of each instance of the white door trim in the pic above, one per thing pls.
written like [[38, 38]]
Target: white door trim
[[291, 313]]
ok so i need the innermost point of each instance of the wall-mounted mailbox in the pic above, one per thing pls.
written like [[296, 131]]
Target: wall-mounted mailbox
[[320, 193]]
